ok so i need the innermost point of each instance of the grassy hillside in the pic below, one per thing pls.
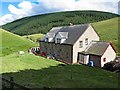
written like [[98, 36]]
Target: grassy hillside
[[34, 37], [13, 43], [37, 72], [25, 61], [43, 23], [108, 31]]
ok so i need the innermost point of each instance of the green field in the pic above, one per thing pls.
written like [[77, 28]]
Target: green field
[[37, 72], [13, 43], [34, 37], [26, 61], [108, 31]]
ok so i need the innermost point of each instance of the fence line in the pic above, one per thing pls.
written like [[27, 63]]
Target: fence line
[[13, 84]]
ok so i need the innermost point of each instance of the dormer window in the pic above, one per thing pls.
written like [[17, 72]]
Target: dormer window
[[58, 40], [61, 37], [86, 41]]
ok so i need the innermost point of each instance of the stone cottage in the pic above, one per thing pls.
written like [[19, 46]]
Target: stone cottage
[[69, 43]]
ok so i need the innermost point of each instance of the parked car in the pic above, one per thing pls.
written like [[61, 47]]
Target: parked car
[[113, 66]]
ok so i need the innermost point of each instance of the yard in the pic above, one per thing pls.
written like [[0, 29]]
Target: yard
[[37, 72]]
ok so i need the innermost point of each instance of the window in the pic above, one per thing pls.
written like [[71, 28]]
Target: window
[[81, 44], [47, 39], [86, 41], [58, 40], [104, 59]]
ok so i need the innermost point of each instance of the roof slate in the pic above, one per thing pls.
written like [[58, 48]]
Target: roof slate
[[74, 32], [97, 48]]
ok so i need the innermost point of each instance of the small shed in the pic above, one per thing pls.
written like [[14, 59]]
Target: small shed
[[98, 52]]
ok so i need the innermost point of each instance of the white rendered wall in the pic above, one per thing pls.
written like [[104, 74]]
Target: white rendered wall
[[109, 54]]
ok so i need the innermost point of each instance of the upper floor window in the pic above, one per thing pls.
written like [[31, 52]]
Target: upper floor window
[[58, 40], [86, 41], [80, 44]]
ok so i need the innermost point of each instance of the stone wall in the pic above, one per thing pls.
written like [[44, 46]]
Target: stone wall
[[62, 52]]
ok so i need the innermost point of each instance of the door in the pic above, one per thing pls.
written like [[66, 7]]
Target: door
[[96, 59]]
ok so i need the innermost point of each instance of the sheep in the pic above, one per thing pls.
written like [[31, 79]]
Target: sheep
[[21, 52]]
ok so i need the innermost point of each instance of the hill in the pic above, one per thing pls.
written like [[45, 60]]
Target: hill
[[34, 37], [43, 23], [108, 31], [37, 72], [13, 43]]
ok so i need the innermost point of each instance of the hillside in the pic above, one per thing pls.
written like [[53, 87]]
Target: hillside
[[43, 23], [108, 31], [34, 37], [13, 43]]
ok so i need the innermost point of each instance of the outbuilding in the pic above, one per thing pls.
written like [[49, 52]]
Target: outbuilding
[[97, 52]]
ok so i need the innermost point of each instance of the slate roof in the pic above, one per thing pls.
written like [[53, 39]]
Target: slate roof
[[53, 31], [97, 48], [74, 32]]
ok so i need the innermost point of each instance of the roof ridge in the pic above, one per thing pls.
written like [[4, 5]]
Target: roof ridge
[[102, 41]]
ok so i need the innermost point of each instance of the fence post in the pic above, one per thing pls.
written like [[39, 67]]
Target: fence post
[[11, 84]]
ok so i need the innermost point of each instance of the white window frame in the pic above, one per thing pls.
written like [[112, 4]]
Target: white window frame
[[58, 40]]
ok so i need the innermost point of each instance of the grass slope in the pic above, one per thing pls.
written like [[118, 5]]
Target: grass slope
[[26, 61], [12, 43], [43, 23], [34, 37], [37, 72], [108, 31]]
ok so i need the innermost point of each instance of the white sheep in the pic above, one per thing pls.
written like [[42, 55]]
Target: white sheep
[[21, 52]]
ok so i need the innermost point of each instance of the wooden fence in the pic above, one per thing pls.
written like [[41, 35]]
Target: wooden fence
[[11, 85]]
